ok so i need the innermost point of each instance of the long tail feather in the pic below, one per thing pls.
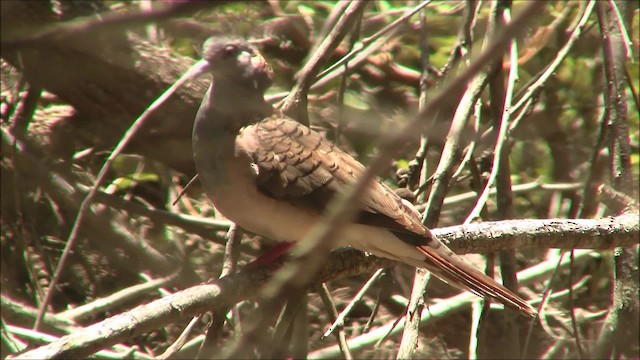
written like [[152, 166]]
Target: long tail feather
[[456, 271]]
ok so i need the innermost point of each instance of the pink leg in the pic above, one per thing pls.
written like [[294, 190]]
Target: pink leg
[[270, 256]]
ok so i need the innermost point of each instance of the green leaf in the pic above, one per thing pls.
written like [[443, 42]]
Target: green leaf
[[353, 100]]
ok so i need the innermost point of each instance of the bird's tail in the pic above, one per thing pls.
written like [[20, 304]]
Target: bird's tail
[[456, 271]]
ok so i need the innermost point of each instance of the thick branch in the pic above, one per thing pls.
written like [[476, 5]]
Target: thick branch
[[603, 233]]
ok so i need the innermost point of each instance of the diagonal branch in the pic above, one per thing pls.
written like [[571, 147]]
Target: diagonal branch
[[219, 295]]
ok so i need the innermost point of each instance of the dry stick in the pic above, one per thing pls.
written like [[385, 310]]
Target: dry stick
[[161, 290], [331, 22], [623, 30], [296, 303], [543, 35], [362, 57], [116, 299], [24, 114], [86, 202], [517, 189], [119, 351], [501, 174], [619, 330], [617, 201], [474, 334], [363, 49], [180, 341], [342, 122], [21, 312], [477, 111], [107, 21], [545, 297], [231, 251], [184, 190], [14, 98], [537, 85], [534, 89], [502, 132], [588, 187], [441, 177], [295, 104], [374, 37], [325, 296], [19, 124], [544, 324], [614, 63], [572, 313], [214, 330], [418, 167], [622, 230], [410, 335], [339, 321], [409, 341], [505, 193], [194, 224], [544, 233], [465, 36], [446, 307], [300, 331], [13, 345], [632, 88]]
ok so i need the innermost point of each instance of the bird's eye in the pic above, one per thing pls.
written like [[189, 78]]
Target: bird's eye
[[230, 50]]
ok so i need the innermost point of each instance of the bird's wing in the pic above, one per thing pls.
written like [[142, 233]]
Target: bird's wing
[[298, 165]]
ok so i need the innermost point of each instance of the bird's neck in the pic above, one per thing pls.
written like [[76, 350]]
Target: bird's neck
[[235, 103], [227, 108]]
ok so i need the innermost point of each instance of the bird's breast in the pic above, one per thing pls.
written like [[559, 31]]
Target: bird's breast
[[237, 197]]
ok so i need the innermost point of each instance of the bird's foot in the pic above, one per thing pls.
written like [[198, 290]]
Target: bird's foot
[[270, 257]]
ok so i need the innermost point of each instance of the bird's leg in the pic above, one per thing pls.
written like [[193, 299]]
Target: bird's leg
[[270, 257]]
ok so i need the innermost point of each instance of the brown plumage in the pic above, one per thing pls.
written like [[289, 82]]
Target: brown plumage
[[274, 176]]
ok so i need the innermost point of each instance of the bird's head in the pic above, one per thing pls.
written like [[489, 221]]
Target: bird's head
[[238, 61]]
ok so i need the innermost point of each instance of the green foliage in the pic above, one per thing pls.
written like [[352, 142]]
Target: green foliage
[[126, 182]]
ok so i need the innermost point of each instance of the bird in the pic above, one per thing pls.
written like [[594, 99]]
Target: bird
[[274, 176]]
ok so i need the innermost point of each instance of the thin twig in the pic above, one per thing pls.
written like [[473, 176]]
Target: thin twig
[[339, 322], [295, 104], [410, 335], [533, 89], [366, 41], [330, 306], [107, 21], [180, 341], [502, 132], [448, 306], [572, 309], [86, 202]]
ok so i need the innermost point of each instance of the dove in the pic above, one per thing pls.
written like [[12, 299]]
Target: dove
[[274, 176]]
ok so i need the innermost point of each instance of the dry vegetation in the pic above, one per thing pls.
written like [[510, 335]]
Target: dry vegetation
[[138, 269]]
